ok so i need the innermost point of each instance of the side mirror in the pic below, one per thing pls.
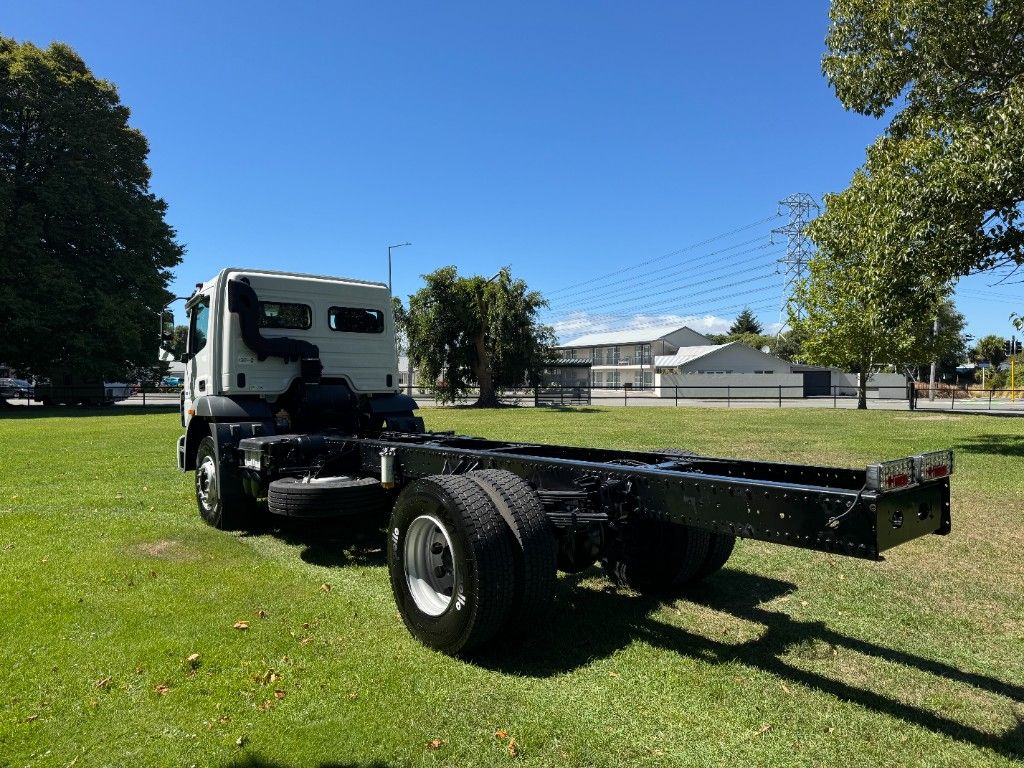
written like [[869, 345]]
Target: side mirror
[[184, 357]]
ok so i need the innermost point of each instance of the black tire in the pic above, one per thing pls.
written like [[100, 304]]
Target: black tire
[[479, 548], [221, 503], [657, 557], [327, 497], [720, 547], [536, 551]]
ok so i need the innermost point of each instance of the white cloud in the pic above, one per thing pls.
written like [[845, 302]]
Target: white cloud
[[575, 324]]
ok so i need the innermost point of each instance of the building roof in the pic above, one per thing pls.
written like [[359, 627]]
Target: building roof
[[688, 355], [626, 336]]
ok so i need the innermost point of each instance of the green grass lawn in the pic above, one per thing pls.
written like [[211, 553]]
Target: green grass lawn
[[110, 582]]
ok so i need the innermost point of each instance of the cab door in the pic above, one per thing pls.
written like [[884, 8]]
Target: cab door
[[198, 363]]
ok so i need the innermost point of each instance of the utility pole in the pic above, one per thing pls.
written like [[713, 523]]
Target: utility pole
[[391, 248], [802, 209], [931, 380], [1013, 360], [408, 357]]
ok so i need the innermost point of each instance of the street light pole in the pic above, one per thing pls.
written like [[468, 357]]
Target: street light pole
[[390, 248], [408, 373]]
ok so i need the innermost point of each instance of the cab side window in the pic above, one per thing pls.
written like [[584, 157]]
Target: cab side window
[[199, 325]]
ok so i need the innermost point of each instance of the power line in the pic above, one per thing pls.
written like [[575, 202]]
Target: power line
[[607, 323], [571, 300], [761, 295], [669, 289], [638, 265]]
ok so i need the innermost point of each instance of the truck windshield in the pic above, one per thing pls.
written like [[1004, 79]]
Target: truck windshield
[[274, 314]]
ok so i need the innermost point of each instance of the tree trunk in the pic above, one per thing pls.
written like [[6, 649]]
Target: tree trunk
[[862, 391], [484, 377]]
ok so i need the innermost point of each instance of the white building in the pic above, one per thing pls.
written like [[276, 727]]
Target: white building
[[710, 370], [626, 358]]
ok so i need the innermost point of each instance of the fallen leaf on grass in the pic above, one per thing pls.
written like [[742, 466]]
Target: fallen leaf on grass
[[354, 695], [241, 740], [613, 674], [278, 695], [501, 733], [325, 587], [241, 625], [763, 729], [102, 683], [270, 676], [265, 706], [261, 613], [162, 689], [512, 748], [193, 660], [435, 744], [31, 718], [784, 687]]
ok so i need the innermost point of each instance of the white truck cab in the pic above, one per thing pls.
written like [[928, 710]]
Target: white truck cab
[[350, 322], [277, 351]]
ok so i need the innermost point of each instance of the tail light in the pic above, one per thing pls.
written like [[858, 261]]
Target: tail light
[[933, 466], [890, 475]]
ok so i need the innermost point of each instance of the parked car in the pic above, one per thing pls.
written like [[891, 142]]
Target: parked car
[[171, 381], [14, 388]]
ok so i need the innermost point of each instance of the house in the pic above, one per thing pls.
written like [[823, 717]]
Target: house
[[626, 358], [711, 369]]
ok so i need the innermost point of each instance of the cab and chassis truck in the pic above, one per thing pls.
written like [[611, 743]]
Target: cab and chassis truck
[[291, 407]]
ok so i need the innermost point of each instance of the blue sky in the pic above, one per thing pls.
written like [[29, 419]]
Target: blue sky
[[569, 140]]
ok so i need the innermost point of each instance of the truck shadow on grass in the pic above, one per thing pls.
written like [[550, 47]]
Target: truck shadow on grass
[[592, 624], [998, 445], [334, 543], [254, 761]]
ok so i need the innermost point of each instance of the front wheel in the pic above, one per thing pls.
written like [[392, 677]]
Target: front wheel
[[451, 562], [219, 505]]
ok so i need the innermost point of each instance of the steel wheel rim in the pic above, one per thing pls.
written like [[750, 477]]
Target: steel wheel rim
[[206, 483], [429, 566]]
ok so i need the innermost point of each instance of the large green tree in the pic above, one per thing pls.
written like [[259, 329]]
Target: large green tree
[[940, 193], [467, 332], [85, 250], [990, 349], [837, 314]]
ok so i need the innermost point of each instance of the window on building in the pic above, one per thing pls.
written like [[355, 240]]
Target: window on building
[[648, 379], [598, 378], [768, 372], [613, 379]]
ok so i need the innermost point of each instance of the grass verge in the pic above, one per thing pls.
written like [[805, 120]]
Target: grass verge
[[118, 610]]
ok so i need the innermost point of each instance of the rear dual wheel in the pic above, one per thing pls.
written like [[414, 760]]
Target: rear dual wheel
[[663, 558], [470, 557]]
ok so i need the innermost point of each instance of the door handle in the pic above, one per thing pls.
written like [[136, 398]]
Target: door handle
[[202, 385]]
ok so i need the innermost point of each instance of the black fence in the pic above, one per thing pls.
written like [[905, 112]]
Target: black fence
[[960, 399], [95, 395]]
